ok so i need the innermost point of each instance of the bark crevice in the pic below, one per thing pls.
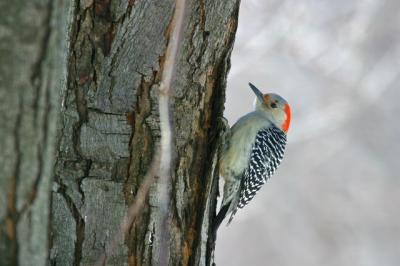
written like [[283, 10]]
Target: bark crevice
[[12, 211]]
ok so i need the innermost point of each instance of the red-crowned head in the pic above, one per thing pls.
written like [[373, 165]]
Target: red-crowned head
[[274, 107]]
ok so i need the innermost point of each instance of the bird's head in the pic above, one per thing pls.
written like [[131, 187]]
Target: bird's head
[[274, 107]]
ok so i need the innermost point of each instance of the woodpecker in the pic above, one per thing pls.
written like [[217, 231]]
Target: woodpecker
[[252, 151]]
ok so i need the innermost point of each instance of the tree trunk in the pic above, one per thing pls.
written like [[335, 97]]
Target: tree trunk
[[111, 54], [32, 73]]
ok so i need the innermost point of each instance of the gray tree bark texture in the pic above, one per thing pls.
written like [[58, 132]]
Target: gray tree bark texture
[[93, 68]]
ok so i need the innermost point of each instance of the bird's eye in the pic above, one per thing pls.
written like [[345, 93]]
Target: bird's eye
[[273, 105]]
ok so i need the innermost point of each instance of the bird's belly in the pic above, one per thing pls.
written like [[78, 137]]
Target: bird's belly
[[236, 157]]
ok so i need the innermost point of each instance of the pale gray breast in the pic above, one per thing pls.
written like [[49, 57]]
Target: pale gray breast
[[236, 156]]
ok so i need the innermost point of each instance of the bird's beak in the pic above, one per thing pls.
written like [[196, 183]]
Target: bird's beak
[[257, 92]]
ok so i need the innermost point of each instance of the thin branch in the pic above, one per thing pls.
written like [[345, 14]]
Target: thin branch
[[133, 210], [166, 126]]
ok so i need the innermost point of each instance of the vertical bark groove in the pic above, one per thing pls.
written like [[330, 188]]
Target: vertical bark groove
[[36, 79], [12, 212]]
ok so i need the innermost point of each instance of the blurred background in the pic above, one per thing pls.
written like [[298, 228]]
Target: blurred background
[[336, 198]]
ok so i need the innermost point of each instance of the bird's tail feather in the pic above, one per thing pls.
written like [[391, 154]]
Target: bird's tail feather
[[233, 214], [221, 216]]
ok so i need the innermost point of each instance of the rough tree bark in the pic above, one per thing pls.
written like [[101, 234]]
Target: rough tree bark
[[110, 53]]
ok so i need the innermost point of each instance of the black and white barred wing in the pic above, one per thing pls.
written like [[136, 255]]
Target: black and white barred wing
[[266, 155]]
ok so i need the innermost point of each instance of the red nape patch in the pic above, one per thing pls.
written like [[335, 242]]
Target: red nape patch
[[286, 124]]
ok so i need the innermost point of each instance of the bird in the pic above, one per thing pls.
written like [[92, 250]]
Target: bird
[[252, 151]]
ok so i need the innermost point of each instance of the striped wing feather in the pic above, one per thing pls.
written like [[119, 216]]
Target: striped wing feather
[[265, 157]]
